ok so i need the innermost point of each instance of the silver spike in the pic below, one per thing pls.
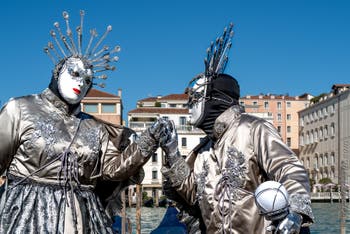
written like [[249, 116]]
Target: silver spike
[[93, 34], [102, 85], [108, 29], [116, 49], [53, 34], [46, 50], [80, 31], [70, 34], [51, 46], [105, 48]]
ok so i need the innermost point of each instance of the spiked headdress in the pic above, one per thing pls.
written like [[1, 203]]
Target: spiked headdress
[[215, 64], [98, 59]]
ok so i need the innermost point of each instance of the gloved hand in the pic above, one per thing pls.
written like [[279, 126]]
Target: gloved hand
[[291, 224], [150, 138], [169, 144]]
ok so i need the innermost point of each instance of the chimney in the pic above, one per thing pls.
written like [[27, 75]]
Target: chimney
[[120, 93]]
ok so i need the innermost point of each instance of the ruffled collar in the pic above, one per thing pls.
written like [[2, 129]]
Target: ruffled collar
[[223, 121], [59, 104]]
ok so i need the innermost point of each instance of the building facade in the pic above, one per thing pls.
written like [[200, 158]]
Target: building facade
[[325, 136], [105, 106], [171, 107], [281, 111]]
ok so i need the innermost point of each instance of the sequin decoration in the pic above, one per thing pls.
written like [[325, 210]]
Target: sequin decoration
[[301, 203], [201, 179], [46, 129], [90, 138], [233, 175]]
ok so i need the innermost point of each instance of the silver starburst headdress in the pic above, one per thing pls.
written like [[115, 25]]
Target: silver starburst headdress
[[99, 60], [217, 53]]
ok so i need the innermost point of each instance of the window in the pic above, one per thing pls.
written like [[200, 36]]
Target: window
[[279, 105], [182, 120], [320, 133], [91, 107], [266, 105], [255, 103], [307, 162], [320, 113], [241, 103], [289, 104], [302, 139], [325, 113], [312, 136], [332, 158], [154, 174], [183, 141], [269, 114], [108, 108], [332, 130], [302, 121], [155, 157], [172, 105], [279, 117], [289, 141], [279, 129], [307, 140], [325, 131], [289, 117], [326, 159], [288, 129], [165, 117], [316, 135]]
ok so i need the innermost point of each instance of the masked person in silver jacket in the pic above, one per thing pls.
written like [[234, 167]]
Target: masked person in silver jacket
[[59, 161], [214, 186]]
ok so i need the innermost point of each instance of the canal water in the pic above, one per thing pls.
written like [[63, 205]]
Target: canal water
[[326, 216]]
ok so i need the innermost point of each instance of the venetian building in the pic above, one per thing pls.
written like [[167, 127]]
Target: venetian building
[[324, 132], [281, 111]]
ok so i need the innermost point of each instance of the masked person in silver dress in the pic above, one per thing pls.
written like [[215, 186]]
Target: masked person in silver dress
[[214, 186], [56, 157]]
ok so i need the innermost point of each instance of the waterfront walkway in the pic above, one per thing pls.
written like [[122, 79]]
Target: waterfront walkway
[[327, 197]]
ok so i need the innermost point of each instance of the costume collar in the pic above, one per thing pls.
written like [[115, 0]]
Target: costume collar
[[59, 104], [223, 121]]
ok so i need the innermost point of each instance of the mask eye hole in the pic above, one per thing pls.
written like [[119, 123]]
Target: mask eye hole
[[73, 73]]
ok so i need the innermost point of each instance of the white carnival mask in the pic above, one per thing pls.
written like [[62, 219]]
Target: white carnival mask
[[74, 80], [197, 93]]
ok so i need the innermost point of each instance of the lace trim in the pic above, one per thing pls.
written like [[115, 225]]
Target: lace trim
[[177, 173], [301, 203], [201, 179]]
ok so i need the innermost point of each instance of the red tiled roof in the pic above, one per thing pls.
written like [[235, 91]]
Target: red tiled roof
[[181, 96], [149, 99], [99, 93], [159, 110]]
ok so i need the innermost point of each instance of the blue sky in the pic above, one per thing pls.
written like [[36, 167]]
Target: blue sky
[[279, 46]]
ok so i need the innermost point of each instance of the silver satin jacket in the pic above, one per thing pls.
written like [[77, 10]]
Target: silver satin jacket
[[43, 161], [222, 177]]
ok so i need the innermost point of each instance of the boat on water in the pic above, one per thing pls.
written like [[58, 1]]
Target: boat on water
[[170, 224]]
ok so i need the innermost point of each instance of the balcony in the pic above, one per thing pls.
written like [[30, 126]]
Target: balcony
[[140, 126]]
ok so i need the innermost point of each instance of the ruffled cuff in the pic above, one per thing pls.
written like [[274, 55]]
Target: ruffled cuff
[[178, 172], [301, 204]]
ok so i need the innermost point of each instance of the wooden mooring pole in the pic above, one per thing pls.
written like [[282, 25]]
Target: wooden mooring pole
[[138, 208]]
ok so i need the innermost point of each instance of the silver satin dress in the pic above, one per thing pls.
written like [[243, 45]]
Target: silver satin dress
[[53, 167], [222, 176]]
